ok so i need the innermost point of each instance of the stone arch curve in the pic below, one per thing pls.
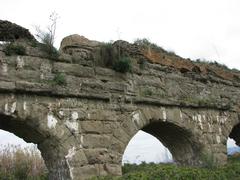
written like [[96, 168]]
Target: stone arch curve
[[172, 128], [225, 125], [180, 142], [235, 133], [49, 146]]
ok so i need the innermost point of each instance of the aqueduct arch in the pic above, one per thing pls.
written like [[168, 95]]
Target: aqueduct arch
[[235, 134], [83, 125], [180, 142], [48, 146], [183, 131], [184, 147]]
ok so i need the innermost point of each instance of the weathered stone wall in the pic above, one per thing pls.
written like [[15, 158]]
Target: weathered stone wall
[[83, 127]]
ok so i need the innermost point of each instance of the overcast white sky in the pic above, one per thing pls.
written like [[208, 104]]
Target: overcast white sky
[[208, 29]]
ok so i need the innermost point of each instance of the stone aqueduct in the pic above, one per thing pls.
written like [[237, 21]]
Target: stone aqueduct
[[83, 127]]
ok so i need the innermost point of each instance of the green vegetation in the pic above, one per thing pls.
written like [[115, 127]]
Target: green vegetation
[[214, 63], [152, 91], [123, 65], [145, 43], [14, 49], [47, 45], [47, 38], [27, 164], [142, 63], [112, 57], [172, 53], [174, 172], [209, 161], [21, 164], [147, 92], [59, 79], [107, 54], [51, 51]]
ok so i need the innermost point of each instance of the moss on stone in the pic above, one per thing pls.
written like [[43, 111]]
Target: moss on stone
[[14, 49]]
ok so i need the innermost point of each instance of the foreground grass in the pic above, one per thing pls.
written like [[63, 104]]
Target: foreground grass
[[172, 172], [17, 163]]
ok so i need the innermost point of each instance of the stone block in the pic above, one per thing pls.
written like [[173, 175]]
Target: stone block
[[96, 141], [104, 115], [77, 159], [114, 169], [84, 172], [97, 155], [7, 86], [116, 86], [28, 75], [33, 63], [105, 72], [33, 87], [96, 127], [73, 69]]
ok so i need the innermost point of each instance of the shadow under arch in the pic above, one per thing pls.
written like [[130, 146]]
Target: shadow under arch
[[181, 143], [48, 146], [235, 134], [21, 129], [185, 147]]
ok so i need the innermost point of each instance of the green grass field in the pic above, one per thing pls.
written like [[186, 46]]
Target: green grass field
[[231, 171]]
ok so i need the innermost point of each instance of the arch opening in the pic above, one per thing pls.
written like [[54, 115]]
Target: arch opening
[[20, 159], [21, 129], [49, 146], [145, 148], [24, 156], [180, 142], [233, 142]]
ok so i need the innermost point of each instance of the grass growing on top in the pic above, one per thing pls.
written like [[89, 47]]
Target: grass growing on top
[[47, 37], [47, 45], [214, 63], [107, 54], [112, 57], [145, 43], [51, 51], [14, 49]]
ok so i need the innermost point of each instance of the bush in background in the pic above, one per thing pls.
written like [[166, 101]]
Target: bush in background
[[21, 164]]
